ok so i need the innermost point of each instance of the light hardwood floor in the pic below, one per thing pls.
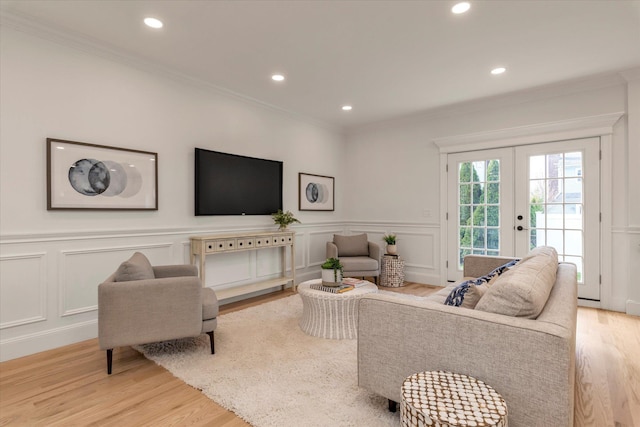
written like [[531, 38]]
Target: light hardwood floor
[[69, 386]]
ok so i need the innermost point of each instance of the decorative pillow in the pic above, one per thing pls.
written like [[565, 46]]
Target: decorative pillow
[[137, 267], [357, 245], [466, 294], [523, 291]]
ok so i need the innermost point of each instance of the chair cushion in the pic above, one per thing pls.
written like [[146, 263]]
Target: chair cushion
[[209, 304], [356, 245], [359, 263], [137, 267], [524, 289]]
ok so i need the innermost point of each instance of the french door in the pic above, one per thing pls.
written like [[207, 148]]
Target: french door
[[508, 201]]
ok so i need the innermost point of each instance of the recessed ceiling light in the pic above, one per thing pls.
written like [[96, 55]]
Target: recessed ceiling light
[[153, 23], [347, 107], [277, 77], [461, 7], [498, 70]]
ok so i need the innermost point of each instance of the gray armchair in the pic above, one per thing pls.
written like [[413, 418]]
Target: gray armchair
[[359, 257], [140, 304]]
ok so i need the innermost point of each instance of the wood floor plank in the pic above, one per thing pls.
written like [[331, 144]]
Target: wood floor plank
[[69, 386]]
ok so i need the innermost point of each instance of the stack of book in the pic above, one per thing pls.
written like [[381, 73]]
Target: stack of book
[[348, 283], [333, 289], [356, 283]]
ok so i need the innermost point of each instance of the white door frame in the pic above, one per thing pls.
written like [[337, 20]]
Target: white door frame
[[593, 126]]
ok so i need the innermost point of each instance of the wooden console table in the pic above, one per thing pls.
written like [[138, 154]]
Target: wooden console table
[[203, 246]]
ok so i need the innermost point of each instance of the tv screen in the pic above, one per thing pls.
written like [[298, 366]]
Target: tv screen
[[228, 184]]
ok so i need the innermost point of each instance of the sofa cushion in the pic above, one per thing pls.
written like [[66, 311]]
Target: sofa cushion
[[356, 245], [137, 267], [523, 290]]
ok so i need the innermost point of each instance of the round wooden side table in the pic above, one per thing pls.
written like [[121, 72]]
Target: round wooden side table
[[443, 399], [392, 271]]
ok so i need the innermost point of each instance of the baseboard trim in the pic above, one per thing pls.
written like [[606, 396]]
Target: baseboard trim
[[426, 279], [25, 345], [633, 308]]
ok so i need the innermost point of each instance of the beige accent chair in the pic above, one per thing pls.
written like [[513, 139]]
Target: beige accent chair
[[140, 304], [359, 256]]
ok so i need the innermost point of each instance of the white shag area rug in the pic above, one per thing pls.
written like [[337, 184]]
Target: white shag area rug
[[270, 373]]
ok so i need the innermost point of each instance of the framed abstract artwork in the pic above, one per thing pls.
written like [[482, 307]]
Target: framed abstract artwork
[[315, 192], [90, 176]]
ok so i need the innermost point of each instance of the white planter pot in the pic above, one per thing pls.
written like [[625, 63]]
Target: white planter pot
[[392, 249], [329, 278]]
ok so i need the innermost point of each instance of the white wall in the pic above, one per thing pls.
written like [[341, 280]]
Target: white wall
[[52, 261], [633, 190], [387, 178], [405, 191]]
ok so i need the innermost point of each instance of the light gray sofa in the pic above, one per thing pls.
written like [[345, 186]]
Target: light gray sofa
[[529, 361]]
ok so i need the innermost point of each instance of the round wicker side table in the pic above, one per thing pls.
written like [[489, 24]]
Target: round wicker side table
[[327, 315], [392, 272], [443, 399]]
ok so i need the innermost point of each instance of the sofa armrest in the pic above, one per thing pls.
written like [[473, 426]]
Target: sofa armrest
[[142, 311], [161, 271], [375, 252], [332, 250], [479, 265], [524, 360]]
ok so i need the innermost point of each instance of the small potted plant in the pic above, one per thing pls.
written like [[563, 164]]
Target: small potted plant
[[332, 272], [391, 244], [283, 219]]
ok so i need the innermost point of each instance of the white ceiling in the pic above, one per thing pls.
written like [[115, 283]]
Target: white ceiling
[[386, 58]]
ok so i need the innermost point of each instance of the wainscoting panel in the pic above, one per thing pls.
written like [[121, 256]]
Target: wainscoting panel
[[229, 268], [302, 243], [418, 245], [417, 249], [317, 247], [82, 270], [49, 283], [23, 296], [268, 262]]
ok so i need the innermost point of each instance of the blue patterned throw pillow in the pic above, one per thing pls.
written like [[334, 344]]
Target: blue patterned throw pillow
[[457, 296]]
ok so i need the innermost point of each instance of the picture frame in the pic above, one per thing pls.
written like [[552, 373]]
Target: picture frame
[[316, 192], [82, 176]]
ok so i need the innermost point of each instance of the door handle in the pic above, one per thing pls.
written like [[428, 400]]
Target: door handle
[[520, 228]]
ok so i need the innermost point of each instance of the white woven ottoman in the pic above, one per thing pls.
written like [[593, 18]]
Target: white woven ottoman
[[328, 315], [443, 399]]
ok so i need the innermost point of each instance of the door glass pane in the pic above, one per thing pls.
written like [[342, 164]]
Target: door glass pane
[[465, 173], [493, 216], [478, 208], [556, 204]]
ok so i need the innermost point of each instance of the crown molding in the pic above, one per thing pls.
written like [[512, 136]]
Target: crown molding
[[29, 25], [544, 132]]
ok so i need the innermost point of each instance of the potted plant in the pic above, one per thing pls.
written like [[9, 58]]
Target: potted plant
[[283, 219], [332, 272], [391, 243]]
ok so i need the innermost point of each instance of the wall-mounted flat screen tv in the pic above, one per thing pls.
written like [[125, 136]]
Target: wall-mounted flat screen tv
[[228, 184]]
